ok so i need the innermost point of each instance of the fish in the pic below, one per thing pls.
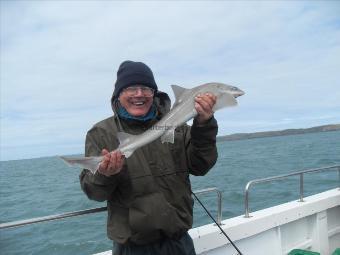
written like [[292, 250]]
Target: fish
[[182, 111], [90, 163]]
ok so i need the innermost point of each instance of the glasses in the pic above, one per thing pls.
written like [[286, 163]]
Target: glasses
[[133, 91]]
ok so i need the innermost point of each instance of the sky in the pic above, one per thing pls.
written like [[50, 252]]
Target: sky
[[59, 61]]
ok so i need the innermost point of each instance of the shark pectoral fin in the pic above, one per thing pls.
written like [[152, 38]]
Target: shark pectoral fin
[[125, 139], [168, 136], [224, 100]]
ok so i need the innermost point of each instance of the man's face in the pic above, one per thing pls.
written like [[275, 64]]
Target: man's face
[[137, 100]]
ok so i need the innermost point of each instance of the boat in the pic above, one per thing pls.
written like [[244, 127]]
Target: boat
[[308, 225]]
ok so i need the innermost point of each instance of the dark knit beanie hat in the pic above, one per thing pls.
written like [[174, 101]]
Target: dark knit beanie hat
[[133, 73]]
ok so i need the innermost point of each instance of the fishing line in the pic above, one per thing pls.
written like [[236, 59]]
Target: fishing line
[[218, 225]]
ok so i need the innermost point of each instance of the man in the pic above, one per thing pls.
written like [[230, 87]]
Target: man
[[149, 194]]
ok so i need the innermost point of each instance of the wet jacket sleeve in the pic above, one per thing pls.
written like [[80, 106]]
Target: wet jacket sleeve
[[96, 186], [201, 147]]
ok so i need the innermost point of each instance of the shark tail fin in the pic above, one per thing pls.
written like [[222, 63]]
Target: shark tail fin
[[66, 161], [124, 139]]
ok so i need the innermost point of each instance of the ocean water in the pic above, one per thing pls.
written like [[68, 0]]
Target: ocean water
[[45, 186]]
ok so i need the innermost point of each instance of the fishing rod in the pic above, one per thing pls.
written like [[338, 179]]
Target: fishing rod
[[218, 225]]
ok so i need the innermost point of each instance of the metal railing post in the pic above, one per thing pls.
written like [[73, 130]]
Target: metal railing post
[[339, 177], [219, 201], [246, 200], [219, 207], [301, 187]]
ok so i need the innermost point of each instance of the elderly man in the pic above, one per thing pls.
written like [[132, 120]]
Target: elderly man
[[149, 194]]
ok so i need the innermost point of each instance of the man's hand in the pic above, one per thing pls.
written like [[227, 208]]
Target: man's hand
[[204, 105], [112, 163]]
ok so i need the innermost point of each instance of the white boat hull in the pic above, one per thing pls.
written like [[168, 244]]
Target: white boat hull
[[310, 225]]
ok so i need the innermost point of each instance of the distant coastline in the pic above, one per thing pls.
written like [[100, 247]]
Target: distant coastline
[[242, 136]]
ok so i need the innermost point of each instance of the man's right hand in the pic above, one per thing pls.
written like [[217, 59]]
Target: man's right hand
[[112, 163]]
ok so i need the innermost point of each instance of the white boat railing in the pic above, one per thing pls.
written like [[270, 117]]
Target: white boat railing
[[101, 209], [279, 177], [20, 223], [198, 192]]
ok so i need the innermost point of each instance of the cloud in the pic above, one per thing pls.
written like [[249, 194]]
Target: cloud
[[58, 63]]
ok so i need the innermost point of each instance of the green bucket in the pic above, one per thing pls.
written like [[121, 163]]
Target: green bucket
[[303, 252], [336, 252]]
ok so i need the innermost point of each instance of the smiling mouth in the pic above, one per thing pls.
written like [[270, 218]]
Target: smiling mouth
[[139, 103]]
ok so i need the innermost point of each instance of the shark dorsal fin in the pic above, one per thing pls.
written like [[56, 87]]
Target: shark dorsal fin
[[178, 91]]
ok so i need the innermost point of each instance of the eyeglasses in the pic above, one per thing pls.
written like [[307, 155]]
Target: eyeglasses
[[133, 91]]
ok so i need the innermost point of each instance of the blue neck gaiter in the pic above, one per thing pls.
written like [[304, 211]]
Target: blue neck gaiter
[[123, 113]]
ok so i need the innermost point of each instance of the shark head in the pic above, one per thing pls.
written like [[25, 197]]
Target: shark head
[[225, 94], [224, 88]]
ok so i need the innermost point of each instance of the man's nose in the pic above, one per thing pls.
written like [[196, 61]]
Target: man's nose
[[139, 92]]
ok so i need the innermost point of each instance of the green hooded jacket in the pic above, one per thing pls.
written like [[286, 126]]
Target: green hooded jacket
[[151, 197]]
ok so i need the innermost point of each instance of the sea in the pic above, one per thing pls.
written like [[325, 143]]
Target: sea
[[46, 186]]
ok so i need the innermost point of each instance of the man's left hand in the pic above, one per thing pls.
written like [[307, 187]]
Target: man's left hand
[[204, 106]]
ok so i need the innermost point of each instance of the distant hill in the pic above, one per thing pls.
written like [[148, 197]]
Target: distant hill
[[241, 136]]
